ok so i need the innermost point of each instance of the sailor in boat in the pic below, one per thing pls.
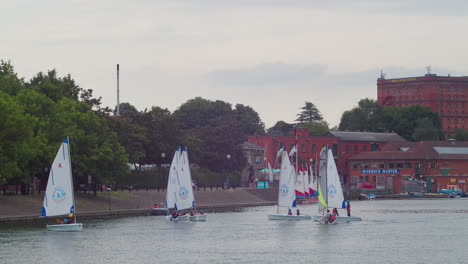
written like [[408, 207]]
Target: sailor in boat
[[348, 208], [174, 215], [335, 211], [298, 212], [201, 212], [326, 217], [289, 212], [155, 206], [332, 218]]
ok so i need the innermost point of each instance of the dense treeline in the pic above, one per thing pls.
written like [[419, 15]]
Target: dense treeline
[[36, 115]]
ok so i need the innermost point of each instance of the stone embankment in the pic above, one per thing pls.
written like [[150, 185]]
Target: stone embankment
[[28, 207]]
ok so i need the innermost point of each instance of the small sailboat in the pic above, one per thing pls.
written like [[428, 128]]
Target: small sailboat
[[329, 188], [173, 189], [287, 195], [186, 175], [59, 199]]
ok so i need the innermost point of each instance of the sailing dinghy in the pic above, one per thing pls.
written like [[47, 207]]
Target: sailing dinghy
[[189, 201], [173, 189], [287, 195], [329, 189], [59, 199]]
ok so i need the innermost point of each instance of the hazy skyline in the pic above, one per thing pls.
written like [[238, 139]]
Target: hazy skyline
[[269, 54]]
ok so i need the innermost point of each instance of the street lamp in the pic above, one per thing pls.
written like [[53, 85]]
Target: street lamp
[[226, 181]]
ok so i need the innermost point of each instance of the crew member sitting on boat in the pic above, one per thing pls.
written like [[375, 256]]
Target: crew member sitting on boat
[[332, 218], [69, 220], [335, 211], [174, 214], [348, 208], [155, 205], [298, 212], [289, 212], [201, 212], [326, 217]]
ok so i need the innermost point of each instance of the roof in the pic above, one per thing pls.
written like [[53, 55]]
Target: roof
[[424, 150], [249, 146], [366, 136]]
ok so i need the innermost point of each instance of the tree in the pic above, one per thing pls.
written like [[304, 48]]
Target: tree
[[425, 130], [249, 120], [367, 116], [9, 81], [315, 128], [199, 112], [461, 134], [309, 113], [15, 139], [281, 128], [126, 109]]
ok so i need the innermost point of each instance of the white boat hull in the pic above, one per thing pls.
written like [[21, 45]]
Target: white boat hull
[[288, 217], [78, 227], [180, 218], [198, 218], [339, 219]]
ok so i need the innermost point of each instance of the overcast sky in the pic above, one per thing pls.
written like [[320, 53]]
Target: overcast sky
[[269, 54]]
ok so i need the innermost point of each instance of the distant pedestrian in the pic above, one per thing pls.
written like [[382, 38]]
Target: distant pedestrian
[[348, 208]]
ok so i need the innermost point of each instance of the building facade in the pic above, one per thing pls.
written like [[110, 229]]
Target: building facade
[[425, 166], [343, 145], [445, 95]]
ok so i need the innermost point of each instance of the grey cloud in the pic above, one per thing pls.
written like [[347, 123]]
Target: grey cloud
[[268, 74]]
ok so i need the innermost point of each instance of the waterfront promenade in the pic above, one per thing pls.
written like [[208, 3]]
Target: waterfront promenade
[[28, 207]]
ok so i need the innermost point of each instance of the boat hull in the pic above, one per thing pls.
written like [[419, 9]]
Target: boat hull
[[78, 227], [288, 217], [198, 218], [159, 211], [180, 218], [339, 219]]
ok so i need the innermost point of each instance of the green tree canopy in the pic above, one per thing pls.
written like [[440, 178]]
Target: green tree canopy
[[309, 113], [281, 128], [318, 128]]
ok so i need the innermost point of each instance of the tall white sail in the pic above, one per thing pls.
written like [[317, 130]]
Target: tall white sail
[[59, 199], [322, 181], [270, 173], [313, 183], [173, 181], [185, 190], [286, 197], [306, 183], [299, 184], [334, 190]]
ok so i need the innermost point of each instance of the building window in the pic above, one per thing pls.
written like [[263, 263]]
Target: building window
[[400, 165], [374, 147], [448, 97], [365, 165], [356, 148], [407, 165], [302, 148], [355, 165], [374, 165], [314, 148], [381, 165], [391, 165], [346, 148]]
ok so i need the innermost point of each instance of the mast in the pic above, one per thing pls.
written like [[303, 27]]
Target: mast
[[118, 92], [71, 179]]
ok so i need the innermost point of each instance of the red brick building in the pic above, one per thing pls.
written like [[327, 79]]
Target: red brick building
[[412, 166], [445, 95], [343, 144]]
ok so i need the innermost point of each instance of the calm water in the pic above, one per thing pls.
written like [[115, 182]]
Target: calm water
[[405, 231]]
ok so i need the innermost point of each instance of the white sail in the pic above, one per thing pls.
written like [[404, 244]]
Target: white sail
[[322, 181], [299, 184], [306, 182], [313, 183], [334, 190], [286, 197], [185, 190], [270, 173], [59, 199], [173, 181]]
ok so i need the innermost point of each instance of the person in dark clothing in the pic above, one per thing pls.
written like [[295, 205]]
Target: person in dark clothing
[[348, 208]]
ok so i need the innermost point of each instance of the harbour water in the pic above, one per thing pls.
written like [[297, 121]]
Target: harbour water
[[392, 231]]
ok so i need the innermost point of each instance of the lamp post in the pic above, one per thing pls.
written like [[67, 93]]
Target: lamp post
[[226, 181], [163, 156]]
